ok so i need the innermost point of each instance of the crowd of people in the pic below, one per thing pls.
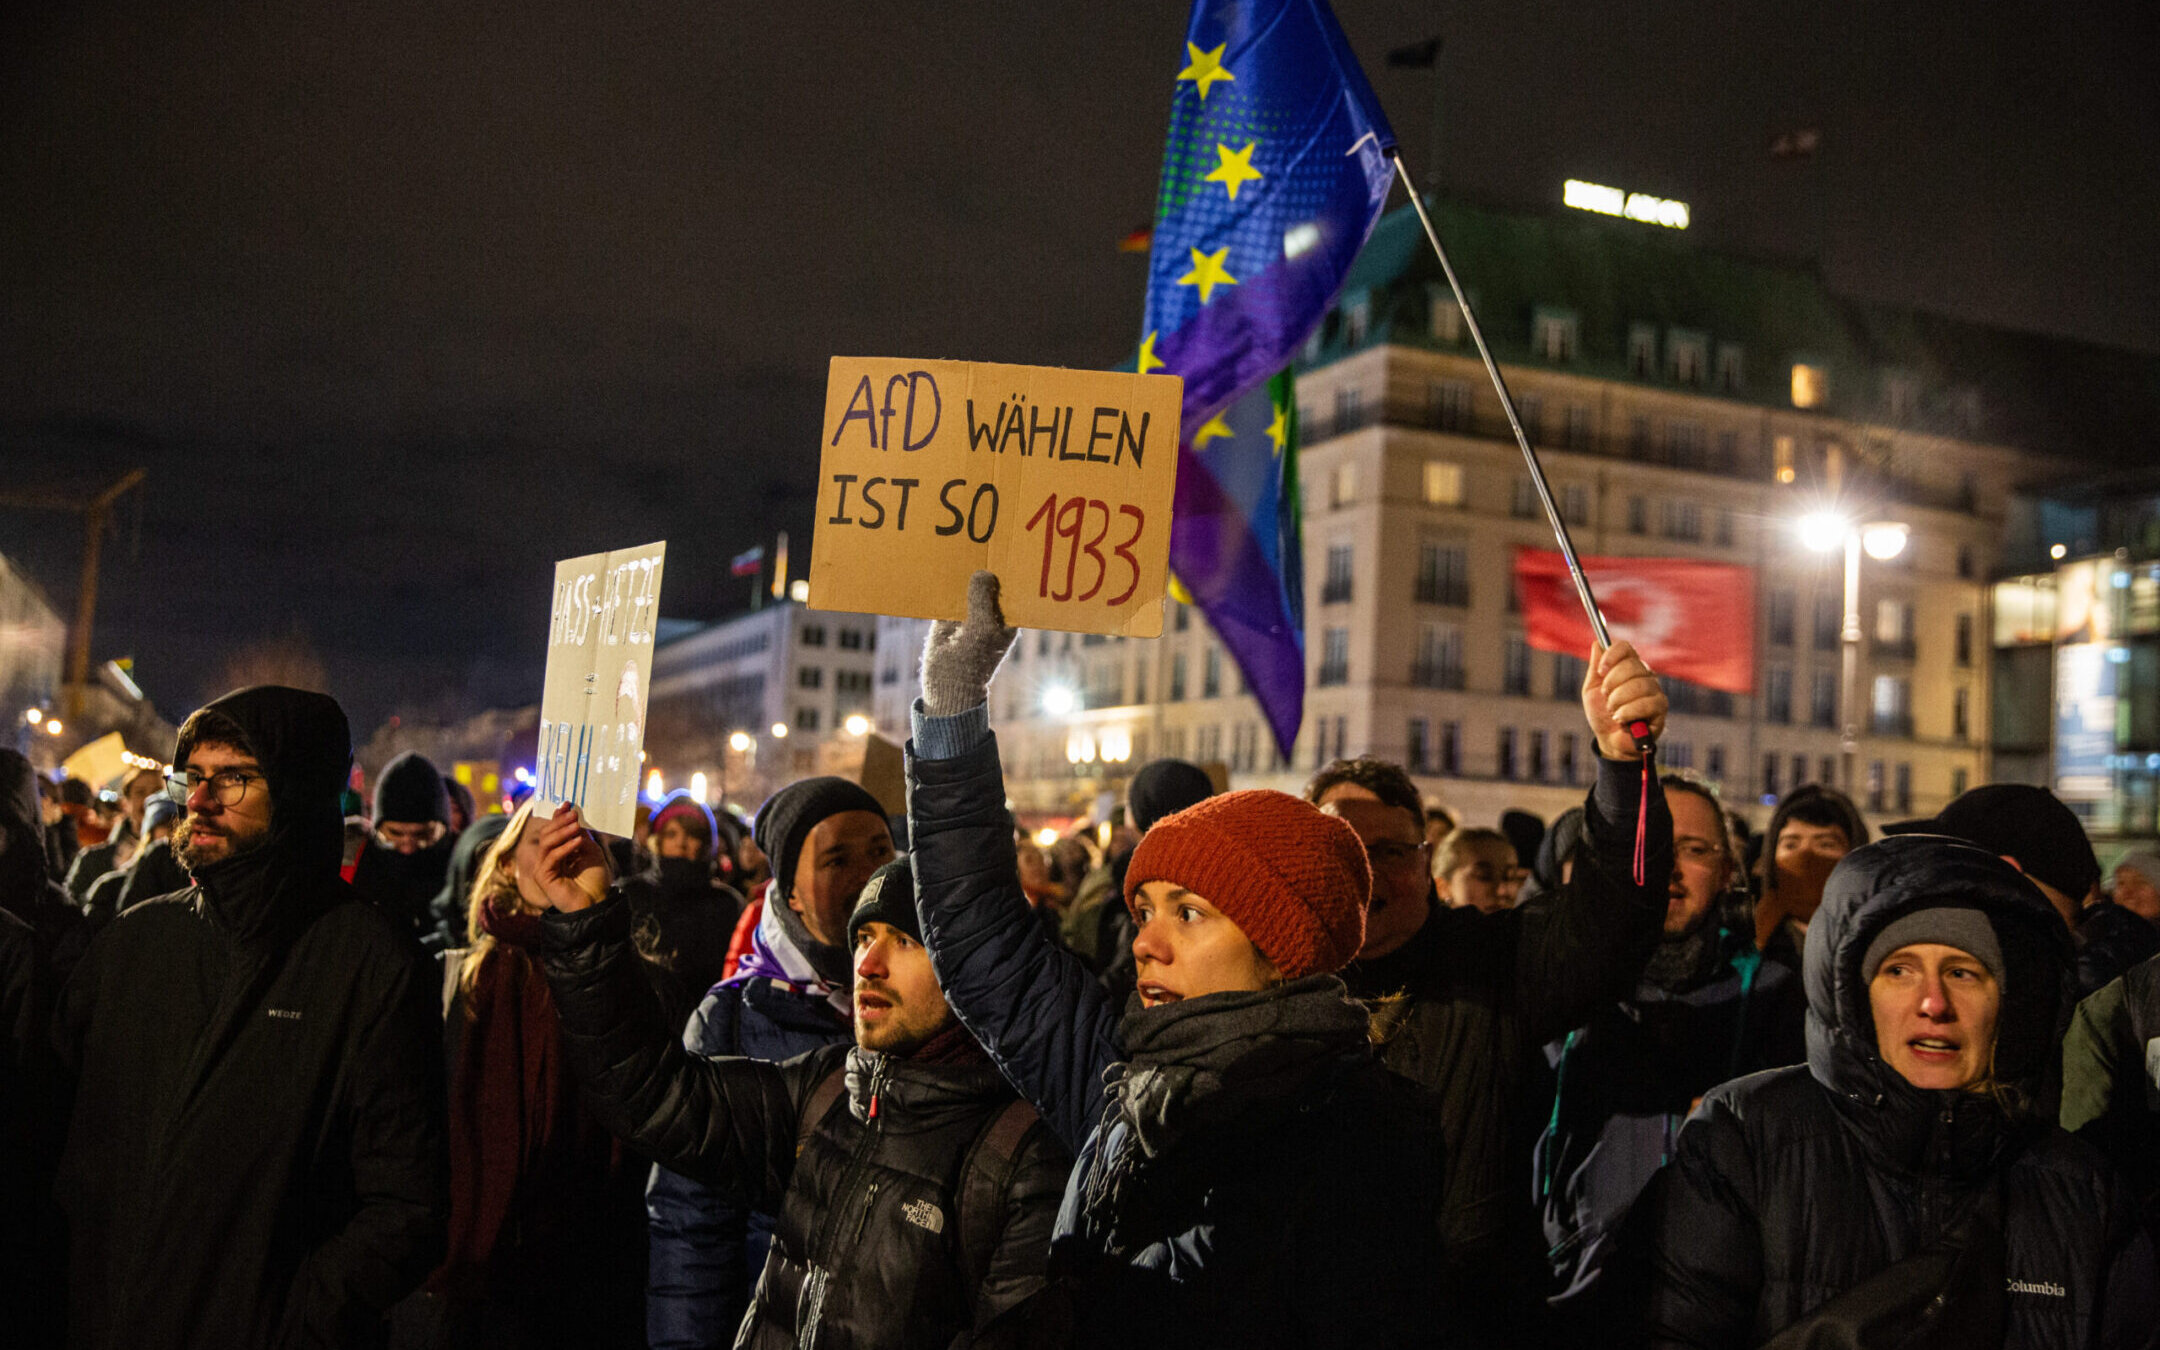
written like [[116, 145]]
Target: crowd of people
[[283, 1066]]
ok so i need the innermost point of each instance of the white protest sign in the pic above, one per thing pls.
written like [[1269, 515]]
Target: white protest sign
[[599, 670]]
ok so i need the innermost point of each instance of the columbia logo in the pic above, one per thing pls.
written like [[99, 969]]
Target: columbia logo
[[2048, 1287], [289, 1014], [923, 1214]]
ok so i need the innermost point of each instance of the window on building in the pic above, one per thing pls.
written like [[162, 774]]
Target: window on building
[[1892, 706], [1335, 589], [1447, 405], [1575, 503], [1443, 483], [1554, 334], [1641, 350], [1962, 642], [1965, 562], [1342, 485], [1357, 318], [1443, 316], [1686, 444], [1901, 789], [1687, 355], [1538, 747], [810, 677], [1139, 680], [1726, 458], [1782, 465], [1770, 775], [1828, 772], [1810, 387], [1799, 770], [1731, 367], [1334, 657], [1515, 665], [1638, 437], [1822, 699], [1677, 754], [1451, 747], [851, 681], [806, 719], [1567, 676], [1961, 713], [1782, 604], [851, 639], [1894, 627], [1567, 757], [1714, 763], [1577, 435], [1722, 531], [1829, 619], [1439, 660], [1211, 673], [813, 635], [1506, 752], [1042, 638], [1523, 501], [1443, 575], [1349, 408], [1777, 695], [1417, 746], [1957, 782], [1875, 785], [1530, 411], [1181, 618], [1680, 520], [1901, 395], [1638, 516], [1177, 677]]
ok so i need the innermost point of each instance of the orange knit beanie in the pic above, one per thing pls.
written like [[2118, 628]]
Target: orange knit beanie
[[1294, 880]]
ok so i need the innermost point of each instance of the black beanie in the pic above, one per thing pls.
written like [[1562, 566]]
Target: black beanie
[[411, 790], [888, 897], [790, 814], [1164, 788]]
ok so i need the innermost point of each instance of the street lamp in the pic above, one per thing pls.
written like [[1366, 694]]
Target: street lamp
[[1058, 700], [739, 742], [856, 725], [1882, 540]]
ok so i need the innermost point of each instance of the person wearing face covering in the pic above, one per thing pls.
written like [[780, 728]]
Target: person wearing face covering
[[450, 920], [402, 867], [1908, 1186], [684, 915], [256, 1155]]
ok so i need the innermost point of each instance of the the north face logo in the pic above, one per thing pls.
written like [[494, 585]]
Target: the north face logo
[[2048, 1287], [923, 1214]]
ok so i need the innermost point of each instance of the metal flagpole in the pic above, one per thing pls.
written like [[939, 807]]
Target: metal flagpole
[[1639, 730]]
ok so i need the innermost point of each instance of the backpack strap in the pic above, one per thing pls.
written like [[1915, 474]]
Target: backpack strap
[[986, 1177], [818, 1104]]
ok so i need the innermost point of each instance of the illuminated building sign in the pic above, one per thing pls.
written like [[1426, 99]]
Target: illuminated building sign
[[1610, 201]]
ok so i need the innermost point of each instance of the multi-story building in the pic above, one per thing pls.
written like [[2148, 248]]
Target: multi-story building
[[1685, 405], [754, 701]]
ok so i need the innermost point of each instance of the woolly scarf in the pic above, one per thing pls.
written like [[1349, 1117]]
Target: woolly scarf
[[782, 950]]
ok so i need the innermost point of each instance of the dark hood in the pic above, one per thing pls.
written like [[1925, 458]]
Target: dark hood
[[1880, 882], [411, 790], [465, 856], [22, 862], [304, 745]]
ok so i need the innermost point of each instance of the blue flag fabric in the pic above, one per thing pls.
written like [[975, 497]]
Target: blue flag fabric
[[1275, 170]]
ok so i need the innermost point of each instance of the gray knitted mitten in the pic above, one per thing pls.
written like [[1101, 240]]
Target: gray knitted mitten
[[958, 659]]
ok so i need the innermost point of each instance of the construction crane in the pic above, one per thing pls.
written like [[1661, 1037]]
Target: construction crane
[[96, 510]]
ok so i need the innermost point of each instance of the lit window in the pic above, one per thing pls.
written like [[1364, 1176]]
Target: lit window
[[1781, 457], [1554, 335], [1445, 315], [1342, 485], [1810, 385], [1641, 350], [1443, 483]]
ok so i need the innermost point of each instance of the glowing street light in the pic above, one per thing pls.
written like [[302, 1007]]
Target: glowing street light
[[35, 716], [779, 731], [2058, 553], [1884, 540], [856, 725], [655, 786], [1046, 837], [1058, 700], [697, 788], [739, 742], [52, 725], [1822, 531]]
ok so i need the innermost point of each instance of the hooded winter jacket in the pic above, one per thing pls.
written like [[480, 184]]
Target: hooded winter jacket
[[867, 1248], [1793, 1186], [29, 887], [2111, 1079], [257, 1150], [1287, 1199]]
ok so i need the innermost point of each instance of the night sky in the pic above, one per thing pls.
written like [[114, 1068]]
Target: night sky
[[398, 302]]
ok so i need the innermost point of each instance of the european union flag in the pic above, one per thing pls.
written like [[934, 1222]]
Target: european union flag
[[1275, 171]]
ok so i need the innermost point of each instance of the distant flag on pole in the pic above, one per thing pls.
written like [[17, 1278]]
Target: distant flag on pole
[[1275, 170], [747, 562], [1138, 241]]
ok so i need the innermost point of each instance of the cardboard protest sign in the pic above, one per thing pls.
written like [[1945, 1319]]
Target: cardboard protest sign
[[599, 669], [1057, 480], [99, 762]]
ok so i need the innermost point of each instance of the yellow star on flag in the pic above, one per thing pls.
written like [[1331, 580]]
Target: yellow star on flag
[[1211, 429], [1236, 168], [1148, 359], [1207, 272], [1206, 68], [1278, 430]]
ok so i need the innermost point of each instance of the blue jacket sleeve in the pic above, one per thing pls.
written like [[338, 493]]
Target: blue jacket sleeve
[[1031, 1004]]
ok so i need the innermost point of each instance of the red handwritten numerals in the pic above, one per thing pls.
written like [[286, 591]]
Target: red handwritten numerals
[[1070, 521]]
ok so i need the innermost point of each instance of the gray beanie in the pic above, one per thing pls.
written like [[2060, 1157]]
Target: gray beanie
[[1957, 926], [2144, 862]]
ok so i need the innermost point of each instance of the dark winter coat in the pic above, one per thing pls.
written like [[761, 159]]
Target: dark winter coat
[[2111, 1079], [403, 885], [152, 872], [90, 863], [2110, 940], [257, 1152], [29, 885], [866, 1249], [1310, 1219], [686, 920], [1795, 1185], [708, 1248], [1465, 1007]]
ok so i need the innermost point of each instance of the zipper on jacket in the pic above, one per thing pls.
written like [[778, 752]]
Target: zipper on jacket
[[856, 1163], [869, 1203]]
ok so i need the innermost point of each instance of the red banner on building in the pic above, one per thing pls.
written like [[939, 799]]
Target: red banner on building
[[1691, 620]]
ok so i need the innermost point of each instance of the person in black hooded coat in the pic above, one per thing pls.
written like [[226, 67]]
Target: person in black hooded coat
[[402, 866], [28, 887], [257, 1155], [1794, 1189]]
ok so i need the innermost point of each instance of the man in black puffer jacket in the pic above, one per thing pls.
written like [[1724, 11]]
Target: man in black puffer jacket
[[915, 1192], [1919, 1136], [257, 1151]]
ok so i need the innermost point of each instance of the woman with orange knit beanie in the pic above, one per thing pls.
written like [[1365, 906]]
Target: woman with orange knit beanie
[[1247, 1173]]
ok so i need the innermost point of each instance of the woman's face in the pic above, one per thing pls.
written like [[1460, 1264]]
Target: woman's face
[[1184, 947], [524, 865], [1484, 880], [1935, 1008]]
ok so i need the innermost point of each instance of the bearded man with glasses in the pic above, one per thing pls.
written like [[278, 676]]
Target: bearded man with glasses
[[257, 1152]]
